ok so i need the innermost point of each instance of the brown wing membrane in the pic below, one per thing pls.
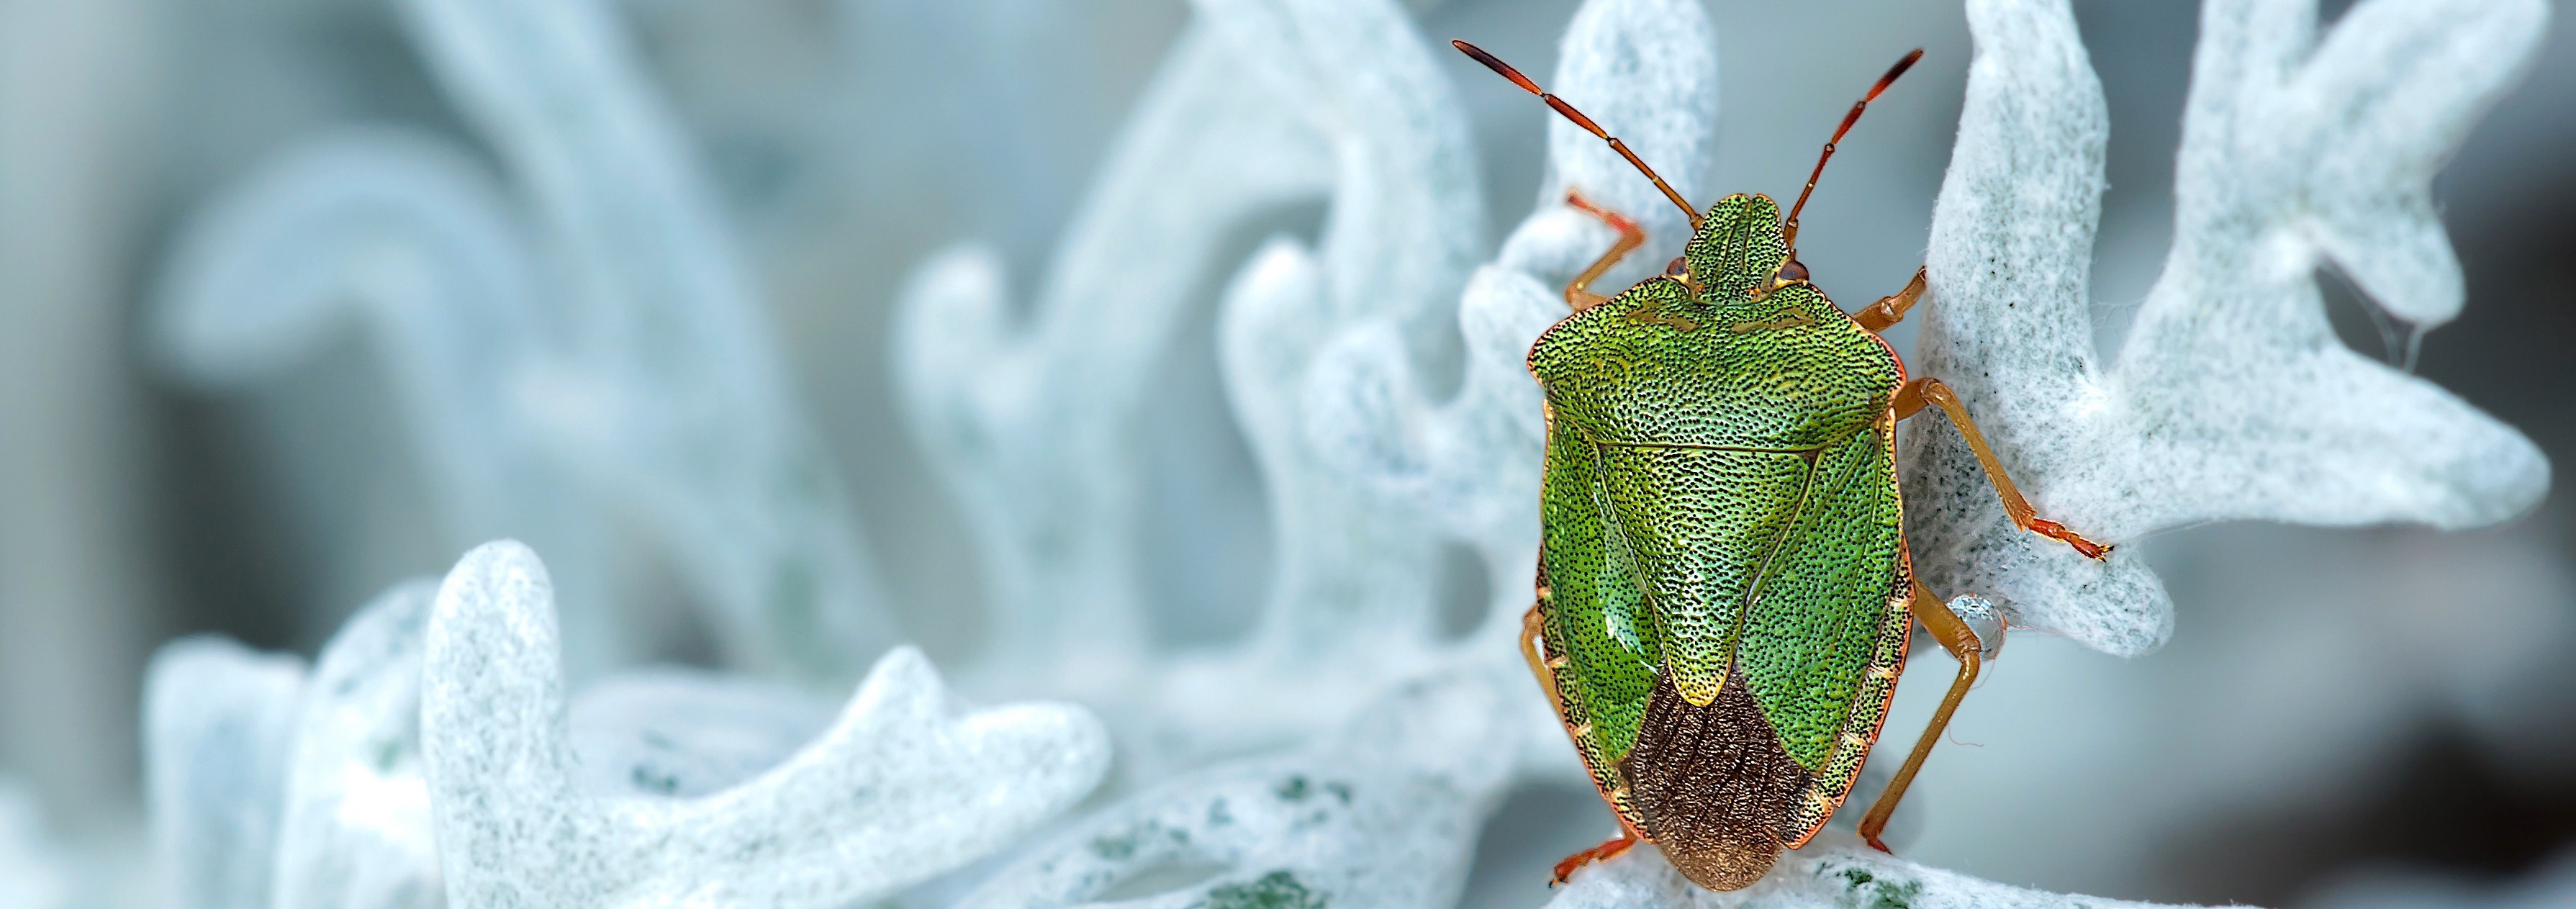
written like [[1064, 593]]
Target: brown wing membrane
[[1713, 784]]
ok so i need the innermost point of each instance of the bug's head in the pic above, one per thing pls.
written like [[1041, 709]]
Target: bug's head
[[1740, 247]]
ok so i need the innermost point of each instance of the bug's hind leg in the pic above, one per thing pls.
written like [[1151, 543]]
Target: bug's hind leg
[[1532, 624], [1954, 636], [1890, 310], [1603, 852], [1578, 294], [1911, 400]]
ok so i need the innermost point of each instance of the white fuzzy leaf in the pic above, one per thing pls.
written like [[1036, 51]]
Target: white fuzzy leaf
[[1383, 813], [356, 812], [2232, 399], [896, 790], [218, 723]]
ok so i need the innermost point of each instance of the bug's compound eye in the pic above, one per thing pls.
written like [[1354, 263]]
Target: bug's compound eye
[[1677, 267], [1792, 270]]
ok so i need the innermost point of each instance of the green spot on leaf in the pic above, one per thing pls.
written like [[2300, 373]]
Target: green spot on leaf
[[1896, 896], [646, 779], [1276, 890], [1114, 848], [1293, 790]]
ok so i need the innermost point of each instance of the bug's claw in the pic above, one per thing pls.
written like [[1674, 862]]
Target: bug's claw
[[1882, 847], [1611, 849], [2056, 531]]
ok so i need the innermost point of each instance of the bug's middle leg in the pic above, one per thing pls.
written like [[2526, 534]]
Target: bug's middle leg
[[1911, 400], [1954, 636], [1578, 293]]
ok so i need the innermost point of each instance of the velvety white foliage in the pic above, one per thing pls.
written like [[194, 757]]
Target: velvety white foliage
[[218, 724], [685, 732], [669, 388], [400, 232], [1833, 872], [1381, 813], [2231, 398], [354, 829], [1262, 103], [897, 790], [31, 875]]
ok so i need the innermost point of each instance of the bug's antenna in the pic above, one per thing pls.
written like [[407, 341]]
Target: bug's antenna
[[1507, 72], [1848, 119]]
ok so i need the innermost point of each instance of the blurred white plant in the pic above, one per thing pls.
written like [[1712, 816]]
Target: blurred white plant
[[219, 727], [612, 360], [31, 875], [1263, 103]]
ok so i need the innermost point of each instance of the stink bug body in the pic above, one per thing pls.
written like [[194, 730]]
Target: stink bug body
[[1724, 595]]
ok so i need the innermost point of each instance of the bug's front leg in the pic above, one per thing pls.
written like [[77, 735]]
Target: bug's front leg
[[1955, 636], [1890, 310], [1578, 294], [1911, 400]]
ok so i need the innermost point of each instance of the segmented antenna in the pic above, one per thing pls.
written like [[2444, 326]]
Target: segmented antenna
[[1506, 71], [1848, 119]]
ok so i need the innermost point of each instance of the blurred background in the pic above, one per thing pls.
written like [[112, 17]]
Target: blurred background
[[2342, 714]]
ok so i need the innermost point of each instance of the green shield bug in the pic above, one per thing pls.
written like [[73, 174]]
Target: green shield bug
[[1724, 594]]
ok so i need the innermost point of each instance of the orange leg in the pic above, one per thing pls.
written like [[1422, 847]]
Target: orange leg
[[1579, 294], [1876, 317], [1531, 622], [1605, 851], [1962, 643], [1531, 625], [1911, 399]]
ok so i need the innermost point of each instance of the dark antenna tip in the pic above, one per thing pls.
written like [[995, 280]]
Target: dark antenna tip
[[1791, 226], [1499, 67], [1506, 71], [1900, 67]]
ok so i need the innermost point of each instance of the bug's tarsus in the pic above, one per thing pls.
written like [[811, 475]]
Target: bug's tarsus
[[1929, 392], [1848, 119], [1578, 293], [1889, 310], [1604, 852], [1506, 71]]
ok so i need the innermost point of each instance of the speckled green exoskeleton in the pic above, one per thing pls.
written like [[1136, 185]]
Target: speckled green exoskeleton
[[1724, 595]]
